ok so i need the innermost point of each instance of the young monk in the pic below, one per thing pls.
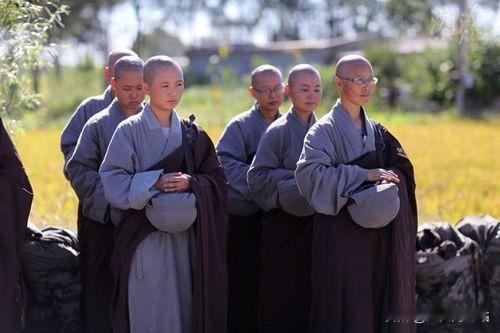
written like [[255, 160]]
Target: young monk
[[287, 222], [16, 196], [236, 149], [90, 106], [98, 218], [169, 263], [362, 261]]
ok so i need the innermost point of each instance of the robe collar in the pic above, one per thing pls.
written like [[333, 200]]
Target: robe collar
[[175, 137], [342, 117], [295, 117], [256, 111], [115, 111]]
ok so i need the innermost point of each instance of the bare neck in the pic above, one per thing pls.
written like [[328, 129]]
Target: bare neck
[[304, 115], [353, 110]]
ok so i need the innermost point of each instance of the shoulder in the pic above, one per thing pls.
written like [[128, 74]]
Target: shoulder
[[277, 127], [241, 118], [98, 117], [91, 102], [130, 124], [323, 125]]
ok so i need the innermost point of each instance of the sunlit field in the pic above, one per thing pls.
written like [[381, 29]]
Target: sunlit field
[[456, 163]]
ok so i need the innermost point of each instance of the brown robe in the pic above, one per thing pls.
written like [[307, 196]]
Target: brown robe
[[15, 204], [363, 280], [210, 273], [96, 245], [284, 296]]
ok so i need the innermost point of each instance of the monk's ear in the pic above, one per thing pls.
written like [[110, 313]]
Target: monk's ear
[[252, 92], [107, 74], [112, 81], [145, 86], [287, 89], [338, 83]]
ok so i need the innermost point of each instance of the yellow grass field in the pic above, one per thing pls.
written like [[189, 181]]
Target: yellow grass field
[[457, 164]]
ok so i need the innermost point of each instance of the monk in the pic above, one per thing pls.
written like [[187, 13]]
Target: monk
[[97, 217], [16, 196], [362, 260], [236, 149], [168, 262], [287, 221], [90, 106]]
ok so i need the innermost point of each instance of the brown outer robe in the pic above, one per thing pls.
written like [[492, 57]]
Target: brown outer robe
[[210, 272], [15, 204], [346, 259]]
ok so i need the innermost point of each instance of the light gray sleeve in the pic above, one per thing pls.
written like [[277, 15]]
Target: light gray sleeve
[[83, 171], [124, 187], [232, 153], [324, 182], [264, 173]]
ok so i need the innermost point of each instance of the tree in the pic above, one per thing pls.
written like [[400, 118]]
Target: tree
[[24, 31], [159, 42]]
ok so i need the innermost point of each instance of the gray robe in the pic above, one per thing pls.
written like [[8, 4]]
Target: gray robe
[[236, 149], [83, 166], [86, 109], [276, 158], [160, 281], [323, 176]]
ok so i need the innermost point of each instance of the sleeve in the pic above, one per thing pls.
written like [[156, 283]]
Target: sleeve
[[264, 173], [71, 133], [322, 181], [232, 153], [124, 188], [83, 172]]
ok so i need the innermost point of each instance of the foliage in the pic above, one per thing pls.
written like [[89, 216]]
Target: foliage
[[426, 80], [158, 42], [24, 28]]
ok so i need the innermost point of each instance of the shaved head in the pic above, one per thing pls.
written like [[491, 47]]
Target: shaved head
[[299, 69], [265, 70], [347, 63], [154, 64], [128, 64], [116, 54]]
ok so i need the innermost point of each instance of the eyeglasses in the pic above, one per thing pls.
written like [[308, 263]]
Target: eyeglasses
[[269, 91], [361, 82]]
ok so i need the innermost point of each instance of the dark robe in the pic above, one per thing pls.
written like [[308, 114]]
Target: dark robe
[[236, 149], [363, 280], [284, 296], [210, 273], [284, 293], [96, 246], [15, 204]]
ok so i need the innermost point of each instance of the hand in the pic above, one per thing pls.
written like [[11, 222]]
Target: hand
[[375, 175], [173, 182]]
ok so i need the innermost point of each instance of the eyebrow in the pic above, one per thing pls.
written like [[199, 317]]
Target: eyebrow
[[306, 85], [162, 82]]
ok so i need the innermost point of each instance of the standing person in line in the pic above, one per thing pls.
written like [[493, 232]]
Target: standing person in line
[[169, 259], [360, 182], [287, 222], [16, 196], [236, 149], [89, 107], [98, 218]]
